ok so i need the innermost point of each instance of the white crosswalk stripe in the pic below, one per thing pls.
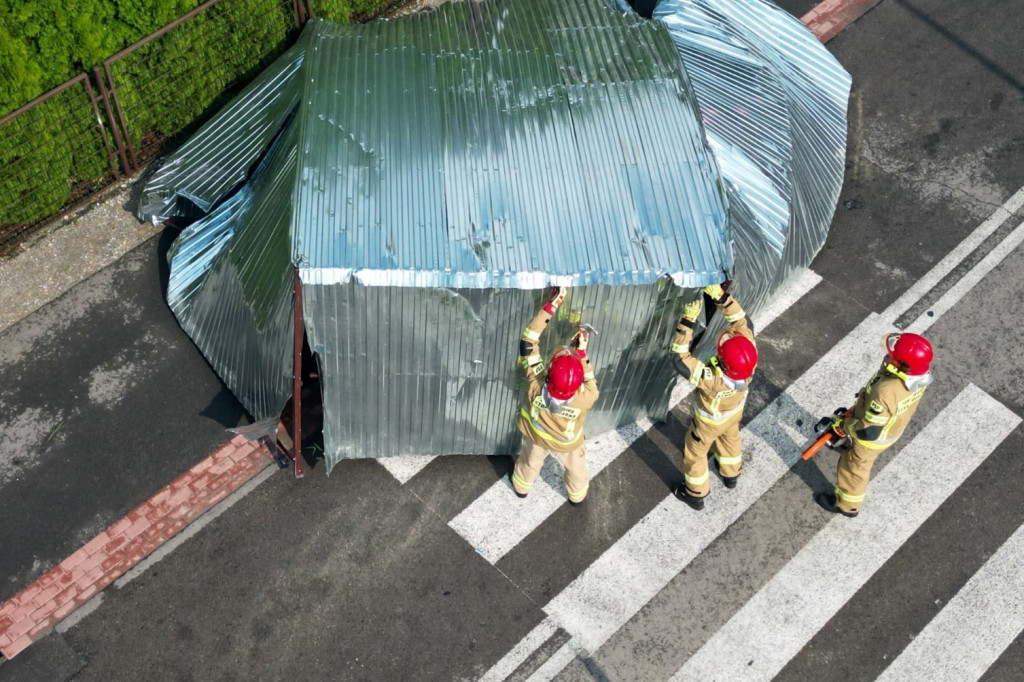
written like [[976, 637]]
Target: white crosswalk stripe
[[974, 628], [783, 616]]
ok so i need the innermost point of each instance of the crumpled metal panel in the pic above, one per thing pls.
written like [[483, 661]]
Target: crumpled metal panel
[[773, 102], [217, 159], [429, 176], [231, 284], [506, 143]]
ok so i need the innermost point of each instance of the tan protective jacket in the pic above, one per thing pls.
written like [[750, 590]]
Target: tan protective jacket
[[562, 430], [883, 408], [717, 398]]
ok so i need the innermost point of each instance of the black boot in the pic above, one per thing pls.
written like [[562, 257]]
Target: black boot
[[827, 501], [682, 494]]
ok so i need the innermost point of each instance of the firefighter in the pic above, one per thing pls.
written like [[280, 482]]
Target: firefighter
[[556, 406], [720, 391], [878, 417]]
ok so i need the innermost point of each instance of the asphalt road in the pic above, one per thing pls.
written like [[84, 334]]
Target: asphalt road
[[367, 576]]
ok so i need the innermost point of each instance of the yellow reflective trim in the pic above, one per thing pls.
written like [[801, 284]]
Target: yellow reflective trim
[[588, 376], [519, 482], [531, 335], [578, 495], [678, 348], [532, 359], [718, 417], [696, 375], [848, 497], [728, 460], [875, 419], [735, 317], [874, 444], [569, 412], [904, 404], [696, 480], [539, 430]]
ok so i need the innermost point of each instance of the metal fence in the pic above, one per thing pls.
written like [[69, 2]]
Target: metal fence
[[61, 149], [54, 152]]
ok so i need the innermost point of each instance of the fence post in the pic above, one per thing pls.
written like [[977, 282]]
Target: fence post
[[114, 124], [297, 379]]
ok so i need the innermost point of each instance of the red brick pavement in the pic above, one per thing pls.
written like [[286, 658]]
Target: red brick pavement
[[34, 611], [830, 17]]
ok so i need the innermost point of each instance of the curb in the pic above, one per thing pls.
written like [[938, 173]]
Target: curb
[[32, 613]]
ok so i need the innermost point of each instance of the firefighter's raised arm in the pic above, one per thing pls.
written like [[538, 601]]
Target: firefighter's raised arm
[[529, 342], [590, 393], [734, 315], [686, 364]]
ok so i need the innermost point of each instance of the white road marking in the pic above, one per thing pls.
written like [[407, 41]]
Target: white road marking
[[974, 628], [602, 599], [405, 467], [771, 628], [521, 652], [968, 281], [497, 521], [958, 254]]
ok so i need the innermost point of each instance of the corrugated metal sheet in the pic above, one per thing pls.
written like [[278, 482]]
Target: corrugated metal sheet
[[429, 176], [504, 144], [773, 102]]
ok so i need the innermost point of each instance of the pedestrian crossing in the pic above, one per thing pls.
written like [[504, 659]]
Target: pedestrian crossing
[[782, 616]]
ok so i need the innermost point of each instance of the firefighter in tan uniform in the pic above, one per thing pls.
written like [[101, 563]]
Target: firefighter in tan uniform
[[882, 411], [556, 406], [720, 392]]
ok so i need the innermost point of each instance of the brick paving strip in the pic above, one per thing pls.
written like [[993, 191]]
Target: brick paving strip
[[830, 17], [34, 611]]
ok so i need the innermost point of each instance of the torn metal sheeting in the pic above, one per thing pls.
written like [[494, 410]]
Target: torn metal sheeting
[[431, 175]]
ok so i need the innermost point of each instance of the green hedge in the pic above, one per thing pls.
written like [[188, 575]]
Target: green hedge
[[169, 86], [55, 155], [44, 43]]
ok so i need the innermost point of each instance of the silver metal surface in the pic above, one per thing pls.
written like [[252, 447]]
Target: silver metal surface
[[431, 175], [773, 103]]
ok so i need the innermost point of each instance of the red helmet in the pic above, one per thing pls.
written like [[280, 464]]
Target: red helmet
[[737, 355], [911, 353], [565, 375]]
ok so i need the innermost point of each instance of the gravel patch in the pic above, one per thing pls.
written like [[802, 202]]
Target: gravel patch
[[69, 251]]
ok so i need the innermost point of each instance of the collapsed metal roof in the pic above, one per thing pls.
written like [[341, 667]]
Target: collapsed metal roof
[[502, 145], [485, 144]]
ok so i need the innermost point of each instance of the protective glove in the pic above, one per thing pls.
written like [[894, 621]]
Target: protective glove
[[580, 339], [557, 296], [715, 291], [691, 311]]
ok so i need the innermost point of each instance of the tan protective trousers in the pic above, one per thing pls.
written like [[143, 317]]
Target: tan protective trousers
[[700, 437], [852, 476], [531, 459]]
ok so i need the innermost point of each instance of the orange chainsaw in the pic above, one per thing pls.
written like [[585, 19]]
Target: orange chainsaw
[[832, 434]]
